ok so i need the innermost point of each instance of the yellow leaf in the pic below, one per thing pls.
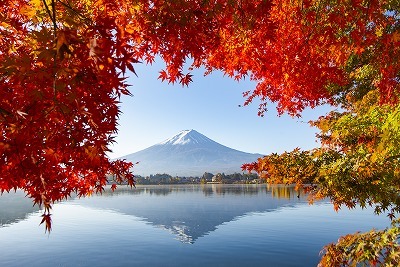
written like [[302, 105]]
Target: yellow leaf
[[136, 7], [28, 11], [286, 76], [3, 24], [379, 31], [36, 3]]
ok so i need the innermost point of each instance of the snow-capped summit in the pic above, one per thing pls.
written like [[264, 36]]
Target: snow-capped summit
[[185, 137], [189, 153]]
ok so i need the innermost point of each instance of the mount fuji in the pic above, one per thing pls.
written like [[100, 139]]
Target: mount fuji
[[189, 153]]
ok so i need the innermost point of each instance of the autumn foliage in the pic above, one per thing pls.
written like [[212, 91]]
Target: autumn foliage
[[64, 64], [357, 163], [63, 67]]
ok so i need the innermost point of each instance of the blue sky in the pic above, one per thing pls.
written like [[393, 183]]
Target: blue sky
[[210, 105]]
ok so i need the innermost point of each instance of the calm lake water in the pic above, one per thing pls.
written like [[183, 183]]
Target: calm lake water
[[187, 225]]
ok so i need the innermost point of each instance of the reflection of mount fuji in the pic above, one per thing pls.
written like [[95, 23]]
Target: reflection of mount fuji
[[191, 212], [187, 211], [15, 207]]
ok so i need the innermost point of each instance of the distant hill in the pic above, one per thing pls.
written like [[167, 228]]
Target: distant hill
[[189, 153]]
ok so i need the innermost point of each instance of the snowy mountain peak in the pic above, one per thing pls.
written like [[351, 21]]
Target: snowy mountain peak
[[189, 153], [186, 137]]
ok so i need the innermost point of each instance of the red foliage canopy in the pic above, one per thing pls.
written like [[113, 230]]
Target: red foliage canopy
[[63, 65]]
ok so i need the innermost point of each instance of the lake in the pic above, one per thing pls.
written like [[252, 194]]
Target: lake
[[179, 225]]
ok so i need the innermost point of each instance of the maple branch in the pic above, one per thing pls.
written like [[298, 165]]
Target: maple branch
[[55, 40], [84, 18], [51, 14]]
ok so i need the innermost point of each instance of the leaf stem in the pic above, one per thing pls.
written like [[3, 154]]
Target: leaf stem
[[52, 15]]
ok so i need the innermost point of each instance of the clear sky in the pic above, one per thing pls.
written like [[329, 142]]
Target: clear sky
[[211, 105]]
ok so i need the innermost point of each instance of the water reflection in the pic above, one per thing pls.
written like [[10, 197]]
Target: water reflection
[[285, 191], [278, 191], [187, 211], [242, 189], [215, 225], [193, 211], [14, 207], [219, 189]]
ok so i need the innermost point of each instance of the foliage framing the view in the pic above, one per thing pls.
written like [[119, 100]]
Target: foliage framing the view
[[63, 66], [358, 161]]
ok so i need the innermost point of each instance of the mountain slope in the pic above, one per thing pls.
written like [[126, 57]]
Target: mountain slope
[[189, 153]]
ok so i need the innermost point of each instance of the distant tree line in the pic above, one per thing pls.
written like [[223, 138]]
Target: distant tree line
[[221, 178]]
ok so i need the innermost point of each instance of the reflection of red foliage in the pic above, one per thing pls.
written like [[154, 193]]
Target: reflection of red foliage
[[46, 219]]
